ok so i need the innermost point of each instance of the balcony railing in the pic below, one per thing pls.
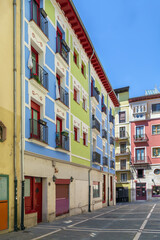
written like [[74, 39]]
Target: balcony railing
[[140, 138], [39, 17], [124, 150], [111, 118], [104, 108], [105, 161], [141, 160], [39, 130], [39, 74], [95, 123], [112, 164], [95, 93], [112, 140], [104, 134], [122, 135], [96, 158], [63, 96], [62, 140], [63, 49]]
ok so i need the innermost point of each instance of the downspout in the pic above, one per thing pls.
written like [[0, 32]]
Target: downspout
[[15, 111], [90, 119], [22, 123], [108, 144]]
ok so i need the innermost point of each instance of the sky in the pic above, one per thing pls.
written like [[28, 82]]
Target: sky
[[126, 37]]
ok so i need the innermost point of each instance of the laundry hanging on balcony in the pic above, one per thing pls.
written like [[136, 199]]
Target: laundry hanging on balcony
[[57, 91], [30, 62]]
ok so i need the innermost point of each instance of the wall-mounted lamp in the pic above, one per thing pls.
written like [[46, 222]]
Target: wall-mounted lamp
[[71, 178], [54, 178]]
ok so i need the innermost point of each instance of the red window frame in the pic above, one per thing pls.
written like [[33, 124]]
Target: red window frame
[[37, 59], [75, 95], [58, 80], [35, 107], [75, 57], [83, 69], [75, 134], [59, 38], [84, 104], [84, 139]]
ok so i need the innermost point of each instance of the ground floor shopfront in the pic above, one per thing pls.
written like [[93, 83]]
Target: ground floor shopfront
[[55, 188], [145, 182], [123, 192]]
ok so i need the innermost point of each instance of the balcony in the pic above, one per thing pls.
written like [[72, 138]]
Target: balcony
[[63, 97], [140, 138], [39, 130], [95, 94], [96, 158], [122, 136], [112, 141], [105, 161], [123, 151], [141, 160], [39, 74], [111, 119], [95, 125], [112, 164], [104, 134], [63, 49], [104, 109], [62, 140], [38, 15]]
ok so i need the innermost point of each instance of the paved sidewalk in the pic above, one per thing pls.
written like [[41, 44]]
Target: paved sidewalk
[[139, 221]]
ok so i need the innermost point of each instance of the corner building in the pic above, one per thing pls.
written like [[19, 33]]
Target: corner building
[[145, 149], [69, 157]]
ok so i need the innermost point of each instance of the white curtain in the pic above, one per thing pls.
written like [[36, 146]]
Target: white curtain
[[57, 90], [30, 62]]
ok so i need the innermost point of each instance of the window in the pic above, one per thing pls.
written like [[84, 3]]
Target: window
[[155, 129], [122, 132], [140, 173], [84, 104], [75, 57], [123, 177], [59, 40], [140, 154], [111, 154], [35, 11], [83, 68], [156, 191], [35, 116], [75, 134], [96, 189], [123, 164], [140, 132], [122, 117], [2, 132], [84, 139], [75, 95], [111, 188], [34, 70], [156, 152], [156, 108], [123, 148]]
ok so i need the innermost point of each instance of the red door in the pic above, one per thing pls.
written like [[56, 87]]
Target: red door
[[38, 198], [58, 132], [34, 70], [104, 189], [35, 116], [62, 199], [36, 12], [140, 191], [111, 189], [59, 38]]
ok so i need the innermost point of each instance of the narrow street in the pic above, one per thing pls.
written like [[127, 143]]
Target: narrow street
[[123, 222]]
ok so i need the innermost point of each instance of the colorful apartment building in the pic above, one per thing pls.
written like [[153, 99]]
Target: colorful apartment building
[[69, 156], [10, 182], [122, 146], [145, 146]]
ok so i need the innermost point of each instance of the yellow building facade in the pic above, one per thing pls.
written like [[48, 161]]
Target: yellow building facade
[[9, 116], [122, 147]]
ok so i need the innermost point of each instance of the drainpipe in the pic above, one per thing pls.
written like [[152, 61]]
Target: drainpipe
[[15, 111], [22, 123], [90, 119], [108, 145]]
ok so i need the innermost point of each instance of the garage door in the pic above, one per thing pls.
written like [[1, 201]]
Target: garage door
[[62, 199]]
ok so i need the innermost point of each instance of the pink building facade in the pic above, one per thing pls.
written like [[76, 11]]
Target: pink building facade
[[145, 147]]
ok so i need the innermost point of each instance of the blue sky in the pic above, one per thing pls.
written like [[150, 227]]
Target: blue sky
[[126, 36]]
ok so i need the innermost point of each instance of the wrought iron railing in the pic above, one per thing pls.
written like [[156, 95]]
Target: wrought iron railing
[[123, 134], [39, 74], [62, 140], [63, 96], [39, 17], [96, 158], [124, 150], [104, 108], [95, 93], [63, 49], [104, 134], [105, 161], [140, 138], [39, 130], [140, 159], [95, 123], [112, 164], [112, 140]]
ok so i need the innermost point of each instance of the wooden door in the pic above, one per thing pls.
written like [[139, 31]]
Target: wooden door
[[3, 202], [140, 191], [104, 189], [38, 198], [62, 199], [58, 132]]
